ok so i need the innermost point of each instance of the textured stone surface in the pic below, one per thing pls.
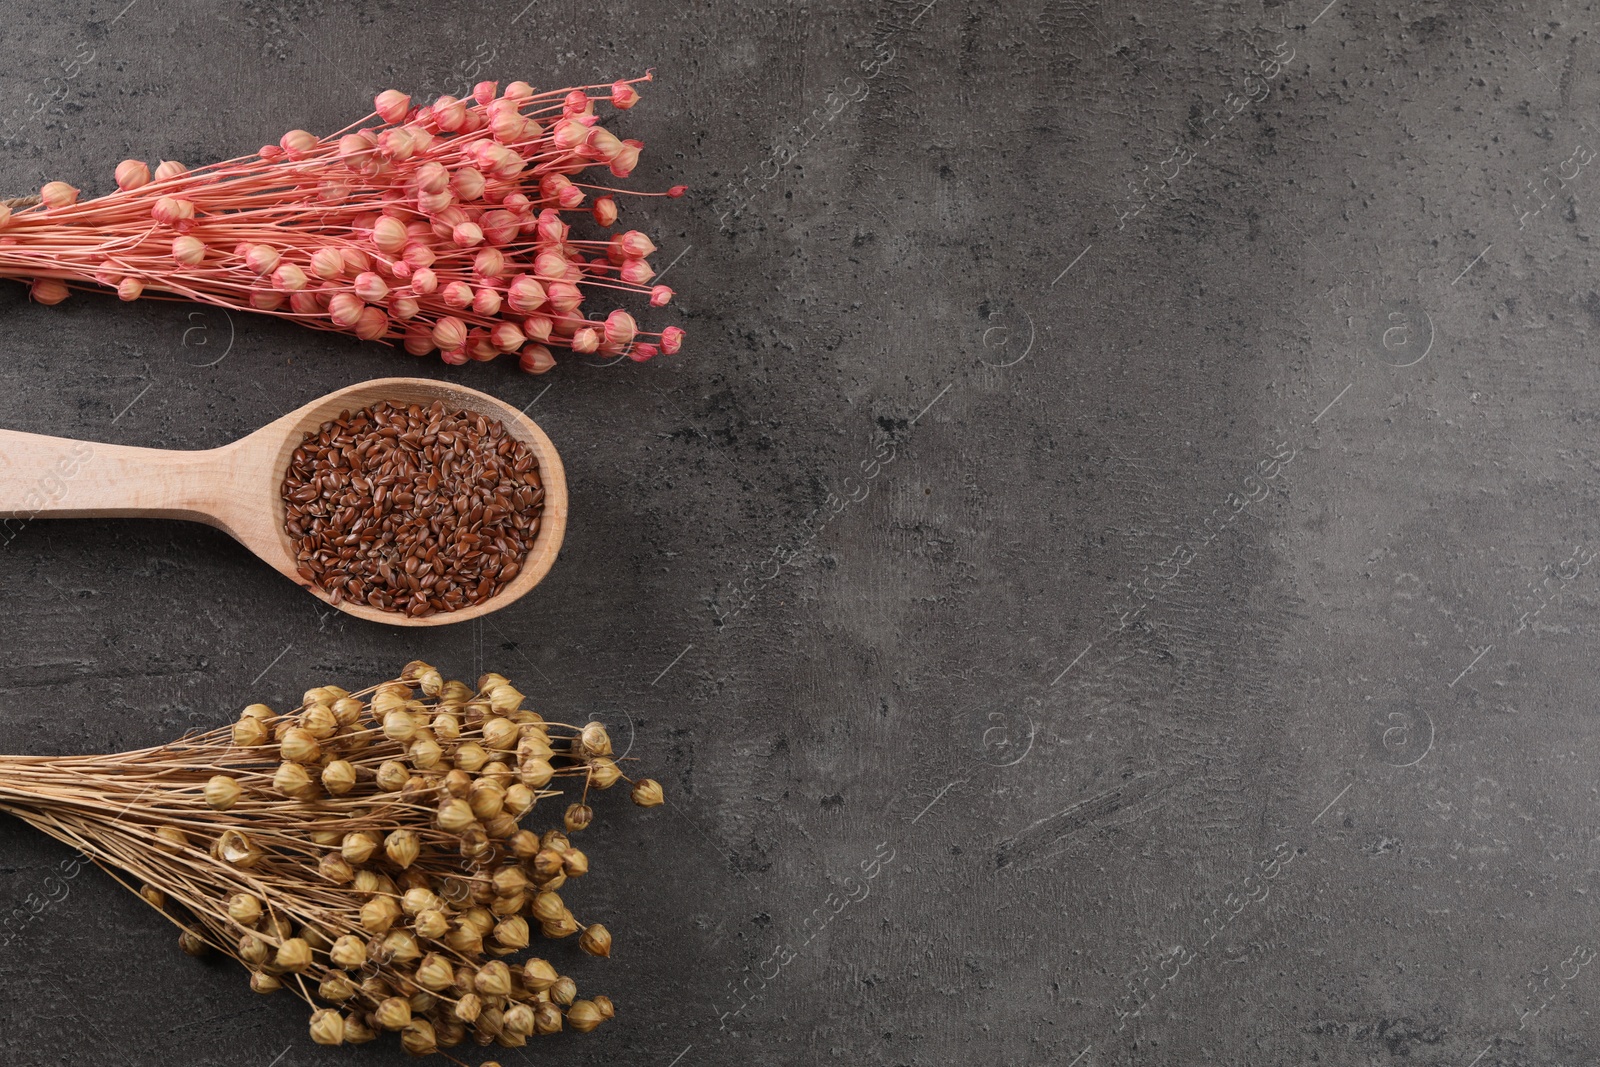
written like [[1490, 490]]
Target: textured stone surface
[[1115, 707]]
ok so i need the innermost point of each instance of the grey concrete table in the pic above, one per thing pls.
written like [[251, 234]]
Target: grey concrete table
[[1109, 580]]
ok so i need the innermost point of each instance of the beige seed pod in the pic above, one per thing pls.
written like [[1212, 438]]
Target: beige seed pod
[[539, 975], [402, 848], [253, 950], [193, 944], [578, 817], [398, 725], [431, 924], [524, 844], [564, 991], [547, 863], [248, 733], [389, 699], [316, 938], [555, 881], [603, 773], [293, 956], [501, 826], [261, 713], [519, 1020], [221, 792], [548, 907], [154, 897], [393, 775], [435, 973], [556, 929], [505, 698], [594, 740], [509, 879], [510, 904], [393, 1014], [574, 863], [547, 1019], [336, 988], [262, 982], [458, 783], [446, 727], [418, 1037], [319, 721], [292, 780], [277, 929], [488, 799], [348, 953], [493, 979], [455, 815], [471, 757], [327, 835], [367, 882], [596, 941], [479, 919], [378, 914], [425, 753], [347, 711], [417, 900], [339, 777], [557, 840], [299, 746], [519, 800], [535, 773], [583, 1016], [334, 868], [327, 1027], [499, 772], [357, 848], [244, 909], [356, 1030], [511, 933], [171, 840], [490, 1024], [401, 947], [468, 1007], [455, 692], [607, 1009], [534, 745], [323, 694], [490, 680], [464, 940], [647, 793]]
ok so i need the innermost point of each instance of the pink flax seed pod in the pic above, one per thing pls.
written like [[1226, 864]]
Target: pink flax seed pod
[[550, 265], [457, 295], [564, 296], [466, 235], [371, 324], [677, 191], [270, 153], [345, 309], [305, 302], [489, 263], [261, 259], [424, 281], [506, 337], [190, 251], [389, 234], [569, 134], [289, 278], [660, 296], [456, 357], [486, 302], [467, 183], [640, 353], [604, 211], [623, 162], [623, 96], [586, 340], [479, 347], [419, 338], [397, 144], [620, 328], [507, 126], [5, 215], [535, 359], [392, 105], [132, 174], [48, 290], [297, 144], [355, 261], [484, 92], [518, 91], [525, 294], [634, 244], [500, 227], [419, 255], [537, 327], [605, 143], [433, 203], [671, 340], [576, 102], [172, 210], [130, 289], [266, 299], [327, 263], [58, 195], [170, 168], [370, 287], [449, 333], [449, 113], [552, 229], [404, 308], [637, 272], [433, 177]]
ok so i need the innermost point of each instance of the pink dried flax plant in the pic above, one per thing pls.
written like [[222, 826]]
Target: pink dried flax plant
[[442, 227]]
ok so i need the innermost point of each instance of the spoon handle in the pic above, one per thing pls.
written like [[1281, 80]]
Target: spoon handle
[[57, 477]]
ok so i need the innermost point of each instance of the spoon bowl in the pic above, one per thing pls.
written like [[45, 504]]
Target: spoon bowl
[[237, 488]]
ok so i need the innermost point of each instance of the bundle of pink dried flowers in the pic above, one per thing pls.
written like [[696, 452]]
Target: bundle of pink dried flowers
[[443, 227]]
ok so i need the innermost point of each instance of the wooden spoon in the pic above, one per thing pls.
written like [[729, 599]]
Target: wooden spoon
[[236, 488]]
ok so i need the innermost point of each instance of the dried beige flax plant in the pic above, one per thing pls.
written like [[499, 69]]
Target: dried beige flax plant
[[364, 851]]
